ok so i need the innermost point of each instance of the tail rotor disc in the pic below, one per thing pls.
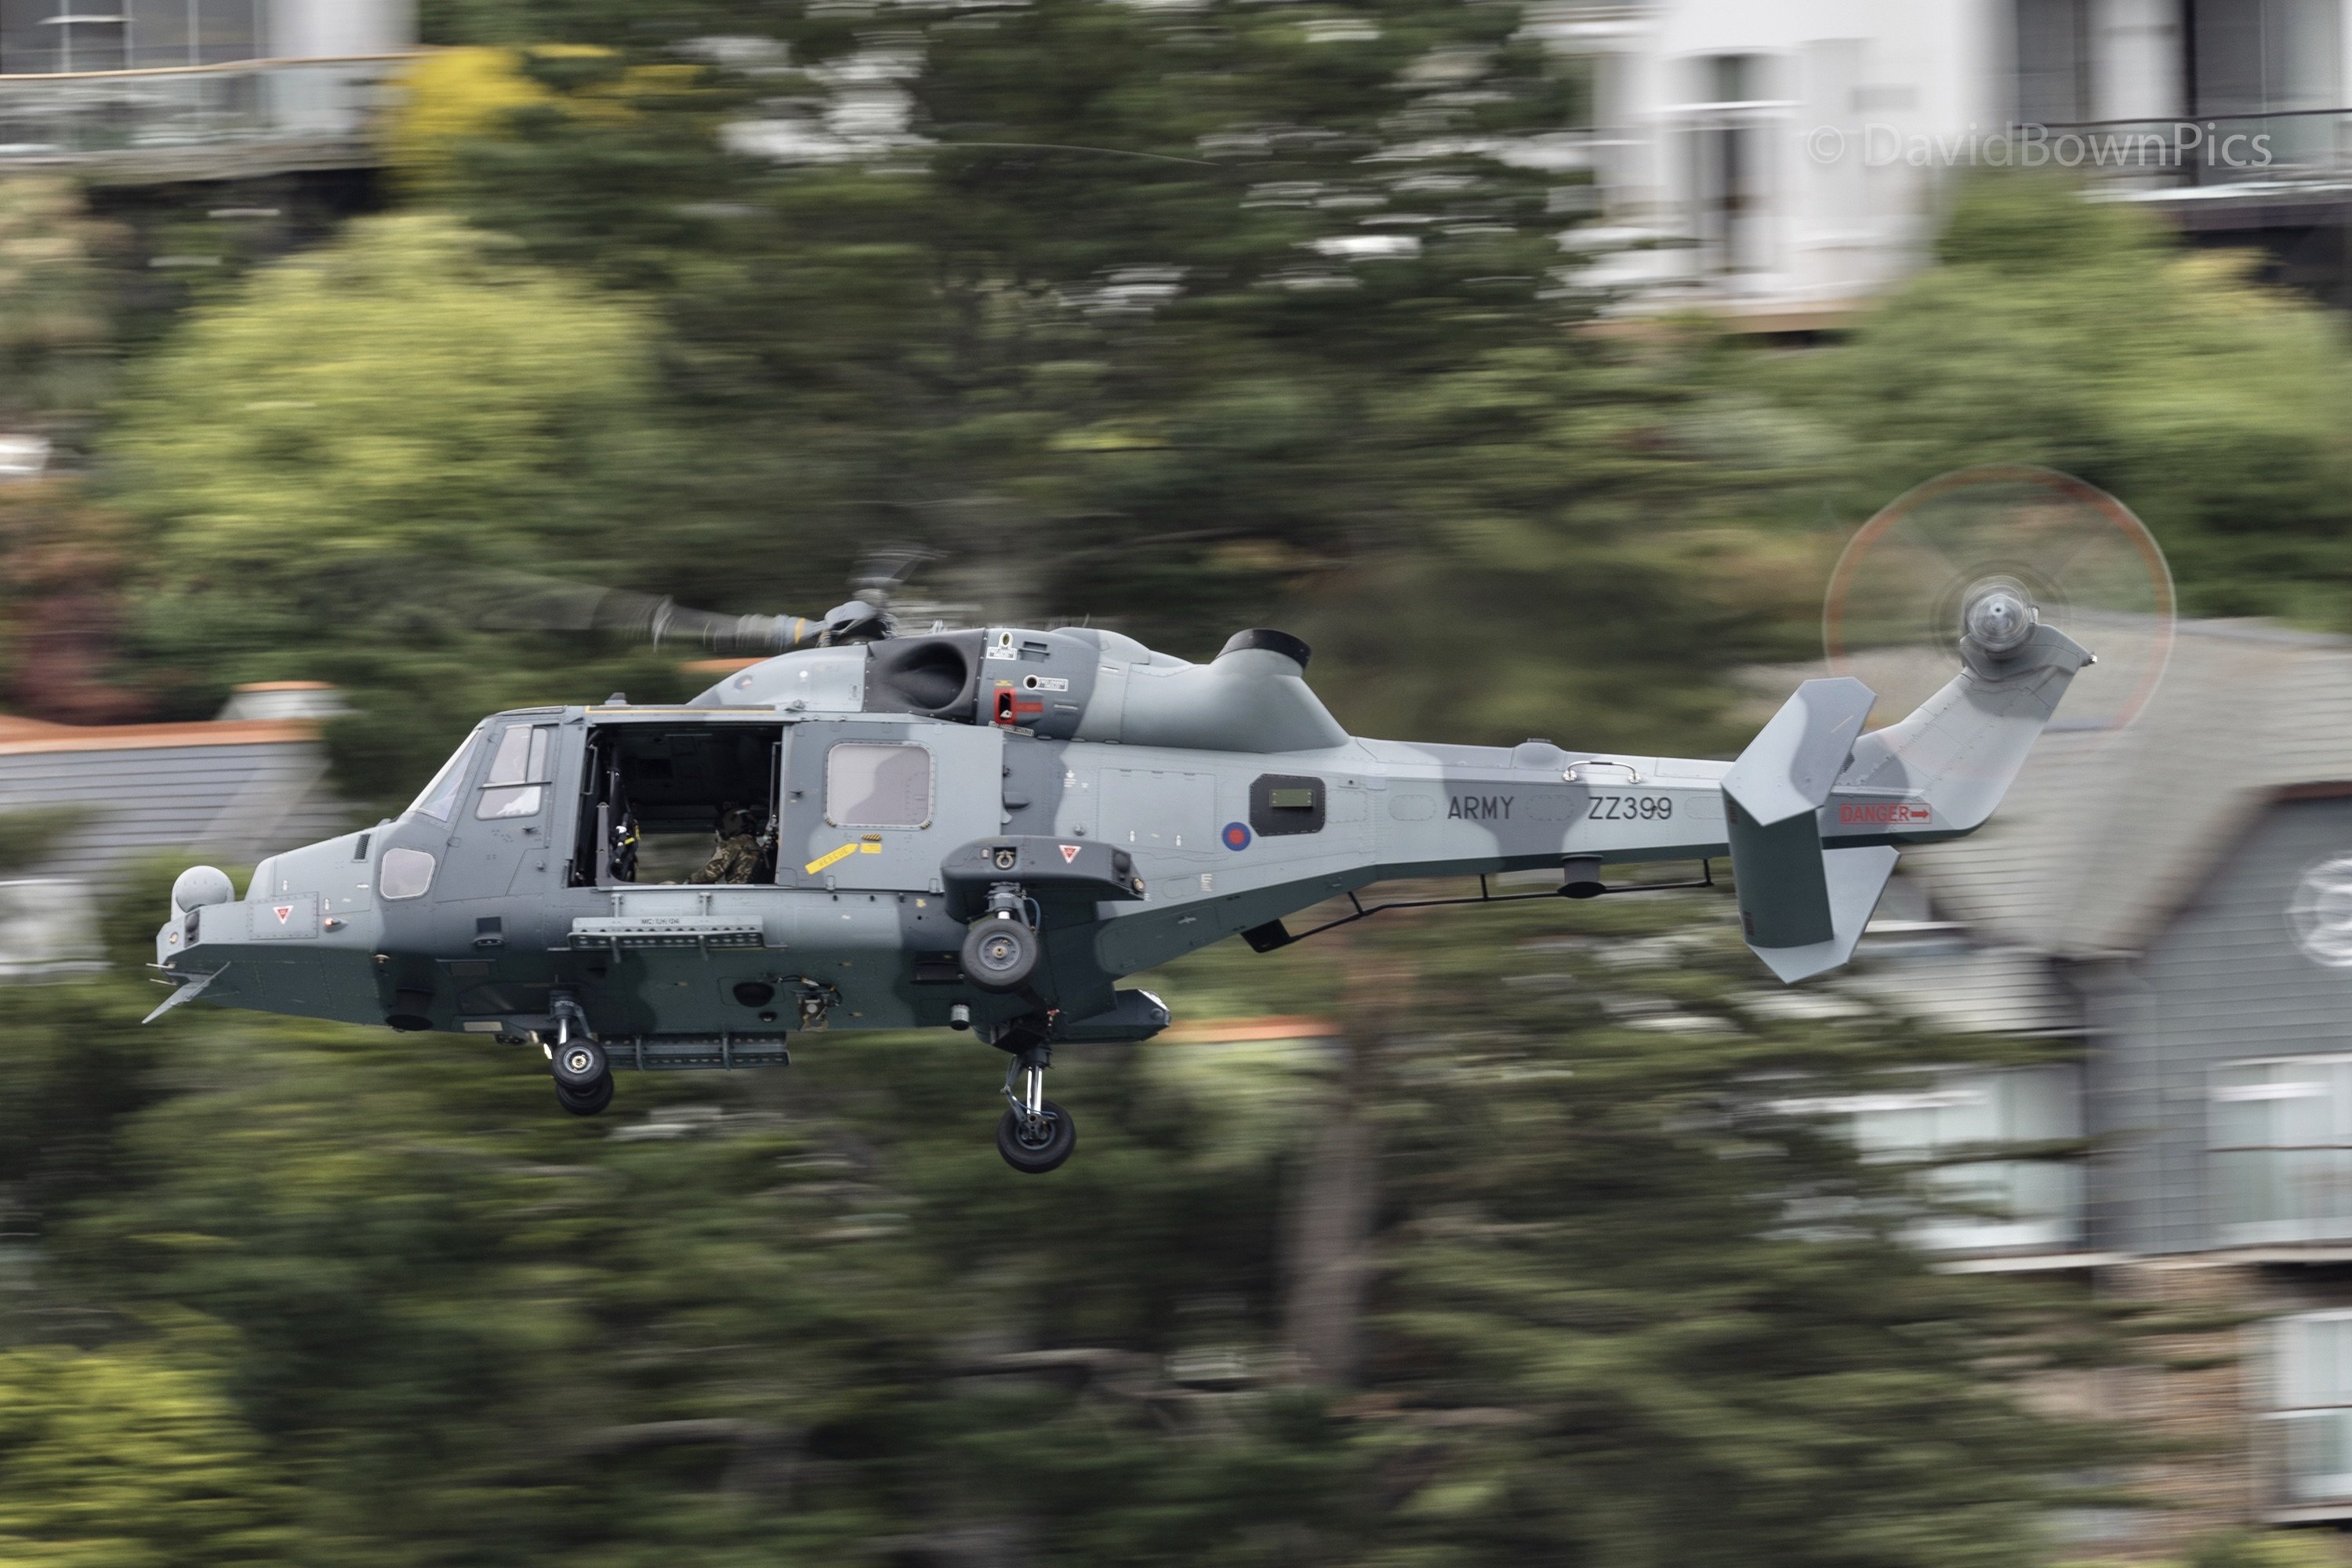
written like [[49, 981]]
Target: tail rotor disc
[[1988, 553]]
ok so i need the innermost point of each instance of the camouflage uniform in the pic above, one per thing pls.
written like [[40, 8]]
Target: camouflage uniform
[[737, 858]]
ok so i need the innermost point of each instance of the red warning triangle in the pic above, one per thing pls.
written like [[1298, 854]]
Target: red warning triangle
[[282, 912], [1069, 853]]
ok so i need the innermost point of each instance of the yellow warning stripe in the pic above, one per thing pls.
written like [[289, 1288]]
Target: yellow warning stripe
[[829, 857]]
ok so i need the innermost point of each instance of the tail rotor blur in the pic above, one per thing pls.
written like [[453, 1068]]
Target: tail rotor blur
[[1990, 552]]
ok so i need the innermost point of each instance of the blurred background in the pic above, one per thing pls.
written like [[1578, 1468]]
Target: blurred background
[[1534, 360]]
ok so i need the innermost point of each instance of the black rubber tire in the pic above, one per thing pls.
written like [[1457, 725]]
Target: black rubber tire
[[998, 954], [579, 1064], [586, 1102], [1035, 1159]]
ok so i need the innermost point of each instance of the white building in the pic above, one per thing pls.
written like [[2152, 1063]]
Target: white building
[[1789, 154], [196, 88]]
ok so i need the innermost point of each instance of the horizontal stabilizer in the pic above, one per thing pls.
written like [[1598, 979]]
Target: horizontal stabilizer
[[1851, 880], [1790, 767]]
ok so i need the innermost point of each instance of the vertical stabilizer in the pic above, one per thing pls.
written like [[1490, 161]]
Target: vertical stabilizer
[[1800, 909]]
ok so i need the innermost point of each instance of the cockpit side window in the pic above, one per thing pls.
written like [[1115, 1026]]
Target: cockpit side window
[[437, 799], [516, 785]]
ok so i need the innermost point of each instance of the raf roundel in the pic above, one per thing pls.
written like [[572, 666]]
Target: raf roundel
[[1237, 835]]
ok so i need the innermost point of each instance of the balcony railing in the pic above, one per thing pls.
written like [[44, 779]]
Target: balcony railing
[[2212, 152], [197, 120]]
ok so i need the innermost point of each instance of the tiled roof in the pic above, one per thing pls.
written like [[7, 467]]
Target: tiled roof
[[24, 735], [1963, 988], [232, 790]]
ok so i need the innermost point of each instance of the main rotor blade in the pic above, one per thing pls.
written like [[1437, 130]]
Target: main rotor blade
[[519, 602]]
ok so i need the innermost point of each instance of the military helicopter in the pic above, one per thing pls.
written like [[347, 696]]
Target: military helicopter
[[986, 829]]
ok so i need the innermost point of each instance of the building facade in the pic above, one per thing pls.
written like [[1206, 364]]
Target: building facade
[[1791, 156], [2171, 907], [196, 88]]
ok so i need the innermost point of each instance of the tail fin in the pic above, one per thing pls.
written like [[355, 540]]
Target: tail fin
[[1960, 750], [1803, 902], [1801, 907]]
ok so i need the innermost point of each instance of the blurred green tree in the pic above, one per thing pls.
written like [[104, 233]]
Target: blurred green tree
[[329, 462], [2080, 334], [131, 1457], [56, 320], [1175, 318], [1601, 1271]]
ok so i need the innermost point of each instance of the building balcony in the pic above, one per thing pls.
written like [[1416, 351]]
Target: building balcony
[[201, 121]]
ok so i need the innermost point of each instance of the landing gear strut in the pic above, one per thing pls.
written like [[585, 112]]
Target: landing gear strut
[[1034, 1135], [583, 1077]]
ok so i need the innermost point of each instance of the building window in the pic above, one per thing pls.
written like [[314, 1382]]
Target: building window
[[2007, 1202], [2280, 1134], [2053, 62], [2269, 58], [46, 36], [1726, 133], [2311, 1404]]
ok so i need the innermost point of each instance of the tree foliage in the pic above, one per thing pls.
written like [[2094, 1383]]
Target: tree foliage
[[406, 395], [405, 1315], [129, 1457], [2079, 335], [56, 320], [328, 463]]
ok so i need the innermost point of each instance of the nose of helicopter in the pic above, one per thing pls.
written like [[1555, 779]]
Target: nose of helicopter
[[317, 895]]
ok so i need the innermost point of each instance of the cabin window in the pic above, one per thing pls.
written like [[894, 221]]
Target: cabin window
[[405, 874], [516, 783], [438, 798], [874, 784]]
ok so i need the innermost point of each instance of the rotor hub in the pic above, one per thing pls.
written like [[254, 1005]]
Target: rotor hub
[[1999, 618]]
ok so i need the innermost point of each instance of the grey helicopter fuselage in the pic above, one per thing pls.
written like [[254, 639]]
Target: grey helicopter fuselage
[[1124, 807]]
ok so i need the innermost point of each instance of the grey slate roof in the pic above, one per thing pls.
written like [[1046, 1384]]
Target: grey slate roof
[[2105, 836], [228, 790], [1956, 985]]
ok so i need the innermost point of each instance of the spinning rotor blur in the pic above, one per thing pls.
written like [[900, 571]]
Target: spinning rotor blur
[[1973, 549]]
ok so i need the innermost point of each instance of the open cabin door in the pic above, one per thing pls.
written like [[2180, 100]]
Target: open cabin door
[[876, 806]]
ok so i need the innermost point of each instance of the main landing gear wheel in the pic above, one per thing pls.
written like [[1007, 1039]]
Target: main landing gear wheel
[[1037, 1145], [585, 1101], [1034, 1135], [998, 953]]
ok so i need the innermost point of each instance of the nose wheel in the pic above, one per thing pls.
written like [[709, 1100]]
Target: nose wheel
[[585, 1101], [1034, 1135], [584, 1075]]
